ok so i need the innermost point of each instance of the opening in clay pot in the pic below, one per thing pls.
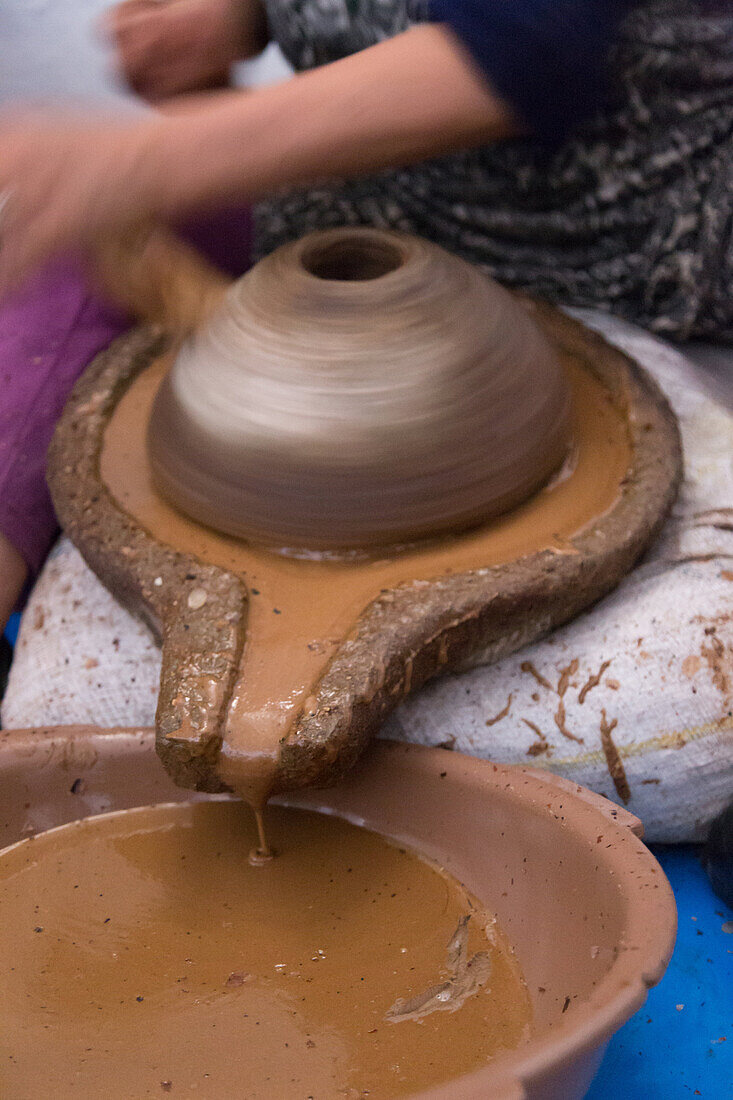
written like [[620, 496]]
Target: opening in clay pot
[[352, 258]]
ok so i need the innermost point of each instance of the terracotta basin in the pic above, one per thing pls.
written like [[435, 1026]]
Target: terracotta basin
[[586, 906]]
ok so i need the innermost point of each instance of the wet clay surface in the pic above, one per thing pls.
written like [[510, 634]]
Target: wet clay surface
[[143, 955], [359, 387], [300, 611]]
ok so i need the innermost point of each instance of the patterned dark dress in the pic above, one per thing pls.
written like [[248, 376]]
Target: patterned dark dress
[[633, 213]]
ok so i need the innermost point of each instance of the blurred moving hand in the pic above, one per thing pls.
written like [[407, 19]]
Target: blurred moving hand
[[171, 47], [69, 181], [66, 181]]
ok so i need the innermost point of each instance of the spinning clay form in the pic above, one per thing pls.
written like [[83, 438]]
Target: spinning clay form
[[359, 388]]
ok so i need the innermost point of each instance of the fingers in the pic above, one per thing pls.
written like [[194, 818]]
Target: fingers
[[20, 255], [12, 264], [166, 49], [31, 231], [48, 175], [138, 30], [123, 15], [70, 184]]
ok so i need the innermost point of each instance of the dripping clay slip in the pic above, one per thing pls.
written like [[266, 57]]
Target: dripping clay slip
[[142, 955], [279, 666]]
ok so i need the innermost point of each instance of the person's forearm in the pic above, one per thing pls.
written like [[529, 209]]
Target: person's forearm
[[69, 183], [407, 99]]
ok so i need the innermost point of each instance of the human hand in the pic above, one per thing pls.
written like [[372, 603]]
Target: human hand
[[66, 183], [170, 47]]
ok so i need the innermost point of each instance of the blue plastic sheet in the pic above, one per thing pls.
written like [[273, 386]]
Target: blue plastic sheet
[[11, 630], [680, 1044]]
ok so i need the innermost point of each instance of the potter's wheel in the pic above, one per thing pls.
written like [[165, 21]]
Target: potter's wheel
[[277, 669]]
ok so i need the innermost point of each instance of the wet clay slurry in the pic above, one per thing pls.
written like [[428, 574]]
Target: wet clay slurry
[[142, 956], [301, 610]]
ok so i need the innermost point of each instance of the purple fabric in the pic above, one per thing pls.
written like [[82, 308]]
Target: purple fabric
[[49, 332]]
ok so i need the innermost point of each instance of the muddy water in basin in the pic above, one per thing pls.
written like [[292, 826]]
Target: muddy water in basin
[[143, 955]]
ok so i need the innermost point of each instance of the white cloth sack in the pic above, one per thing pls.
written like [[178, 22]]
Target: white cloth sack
[[633, 699]]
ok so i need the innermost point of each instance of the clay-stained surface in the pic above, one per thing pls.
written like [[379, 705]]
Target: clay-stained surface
[[407, 634], [168, 964]]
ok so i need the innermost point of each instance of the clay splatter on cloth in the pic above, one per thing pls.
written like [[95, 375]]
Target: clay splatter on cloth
[[502, 713], [613, 758], [541, 745]]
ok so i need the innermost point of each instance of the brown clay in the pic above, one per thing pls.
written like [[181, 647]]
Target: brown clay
[[192, 961], [229, 716], [158, 278], [586, 907], [359, 388]]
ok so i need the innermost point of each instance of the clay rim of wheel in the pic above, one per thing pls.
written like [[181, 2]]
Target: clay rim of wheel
[[403, 638]]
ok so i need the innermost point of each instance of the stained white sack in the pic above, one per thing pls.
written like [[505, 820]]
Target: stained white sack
[[634, 699]]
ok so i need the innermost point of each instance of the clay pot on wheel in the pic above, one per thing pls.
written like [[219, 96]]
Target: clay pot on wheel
[[359, 388]]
